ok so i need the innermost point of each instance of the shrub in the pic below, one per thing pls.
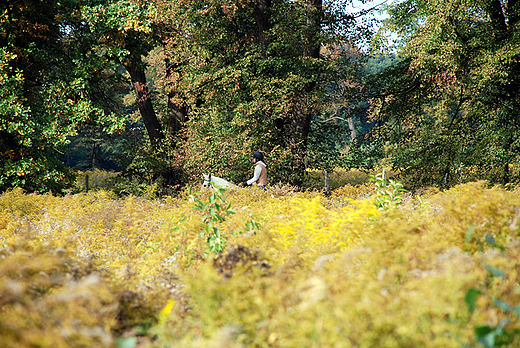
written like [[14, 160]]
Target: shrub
[[298, 269]]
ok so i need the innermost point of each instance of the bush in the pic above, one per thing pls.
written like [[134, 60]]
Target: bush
[[297, 269]]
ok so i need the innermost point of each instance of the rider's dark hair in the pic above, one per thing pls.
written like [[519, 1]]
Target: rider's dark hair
[[258, 155]]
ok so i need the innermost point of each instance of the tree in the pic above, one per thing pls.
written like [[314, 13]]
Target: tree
[[123, 32], [452, 113], [50, 82], [248, 76], [127, 34]]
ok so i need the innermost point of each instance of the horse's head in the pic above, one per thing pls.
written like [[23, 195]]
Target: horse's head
[[207, 180]]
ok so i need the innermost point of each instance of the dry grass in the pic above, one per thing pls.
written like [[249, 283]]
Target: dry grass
[[94, 270]]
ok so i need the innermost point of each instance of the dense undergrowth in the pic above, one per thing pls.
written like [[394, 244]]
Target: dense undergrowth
[[298, 269]]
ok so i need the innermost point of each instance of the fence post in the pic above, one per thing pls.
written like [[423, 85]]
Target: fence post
[[326, 177], [86, 182]]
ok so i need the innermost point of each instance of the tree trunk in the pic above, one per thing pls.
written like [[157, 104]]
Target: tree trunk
[[93, 156], [178, 114], [314, 19], [261, 14], [497, 17], [353, 133], [135, 68], [296, 137], [301, 121]]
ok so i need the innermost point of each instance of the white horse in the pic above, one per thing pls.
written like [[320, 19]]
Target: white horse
[[215, 182]]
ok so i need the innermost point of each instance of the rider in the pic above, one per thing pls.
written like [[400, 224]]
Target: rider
[[260, 175]]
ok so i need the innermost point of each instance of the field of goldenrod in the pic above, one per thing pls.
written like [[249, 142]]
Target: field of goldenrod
[[296, 269]]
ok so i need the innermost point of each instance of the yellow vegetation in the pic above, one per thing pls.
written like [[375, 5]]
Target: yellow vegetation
[[94, 270]]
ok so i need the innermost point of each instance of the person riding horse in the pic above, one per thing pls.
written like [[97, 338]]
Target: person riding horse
[[260, 175]]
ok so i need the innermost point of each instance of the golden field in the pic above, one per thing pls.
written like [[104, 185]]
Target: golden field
[[297, 269]]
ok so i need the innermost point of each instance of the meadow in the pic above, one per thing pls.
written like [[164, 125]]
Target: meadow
[[361, 265]]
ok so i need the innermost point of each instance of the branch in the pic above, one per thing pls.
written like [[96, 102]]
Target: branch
[[333, 118], [368, 10]]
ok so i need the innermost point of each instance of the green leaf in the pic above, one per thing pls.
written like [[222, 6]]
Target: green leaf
[[487, 340], [516, 310], [469, 233], [495, 272], [130, 342], [471, 298], [501, 304], [483, 330], [490, 240]]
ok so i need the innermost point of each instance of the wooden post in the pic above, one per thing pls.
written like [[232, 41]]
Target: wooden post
[[326, 175], [86, 182]]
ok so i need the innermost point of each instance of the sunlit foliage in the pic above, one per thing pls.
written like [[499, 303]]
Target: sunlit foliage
[[450, 112], [51, 84], [94, 270]]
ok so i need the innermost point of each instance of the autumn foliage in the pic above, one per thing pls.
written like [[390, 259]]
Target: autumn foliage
[[299, 269]]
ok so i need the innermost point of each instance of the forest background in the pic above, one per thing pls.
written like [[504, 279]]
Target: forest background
[[155, 93], [162, 91]]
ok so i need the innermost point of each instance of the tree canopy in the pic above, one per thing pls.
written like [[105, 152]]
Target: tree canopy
[[451, 112], [248, 76], [51, 81], [287, 78]]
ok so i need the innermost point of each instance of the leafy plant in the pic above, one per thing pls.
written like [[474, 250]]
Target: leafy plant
[[251, 226], [101, 271], [493, 335], [214, 211], [388, 192]]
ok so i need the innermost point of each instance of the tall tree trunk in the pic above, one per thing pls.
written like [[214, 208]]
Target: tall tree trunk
[[353, 133], [135, 68], [93, 156], [178, 114], [292, 133], [262, 13], [300, 123], [297, 137], [314, 19], [497, 17]]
